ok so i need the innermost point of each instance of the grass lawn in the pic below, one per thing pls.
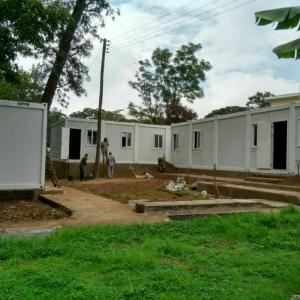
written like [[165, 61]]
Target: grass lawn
[[251, 256]]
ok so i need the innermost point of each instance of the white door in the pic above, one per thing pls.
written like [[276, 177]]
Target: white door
[[263, 159], [65, 140]]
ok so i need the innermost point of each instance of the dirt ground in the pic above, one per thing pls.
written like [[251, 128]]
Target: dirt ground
[[27, 210], [125, 189]]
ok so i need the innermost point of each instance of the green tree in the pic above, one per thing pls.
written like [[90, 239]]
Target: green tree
[[165, 81], [259, 100], [225, 111], [29, 87], [92, 114], [74, 42], [59, 32], [26, 28], [286, 18]]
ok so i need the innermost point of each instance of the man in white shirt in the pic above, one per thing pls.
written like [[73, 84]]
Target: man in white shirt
[[111, 162]]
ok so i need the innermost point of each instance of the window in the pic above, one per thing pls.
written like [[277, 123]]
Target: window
[[196, 140], [91, 137], [158, 141], [175, 141], [254, 135], [126, 140]]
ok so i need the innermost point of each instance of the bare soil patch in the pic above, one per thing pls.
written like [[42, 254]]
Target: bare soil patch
[[27, 210], [124, 190]]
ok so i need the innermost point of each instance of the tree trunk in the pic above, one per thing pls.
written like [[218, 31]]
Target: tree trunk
[[62, 53]]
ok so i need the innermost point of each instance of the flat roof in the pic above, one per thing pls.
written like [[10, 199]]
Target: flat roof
[[283, 96]]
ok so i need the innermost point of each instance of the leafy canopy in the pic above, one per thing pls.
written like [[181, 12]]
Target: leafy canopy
[[254, 102], [225, 111], [27, 28], [165, 81], [29, 87], [284, 18], [92, 114], [57, 32], [259, 100]]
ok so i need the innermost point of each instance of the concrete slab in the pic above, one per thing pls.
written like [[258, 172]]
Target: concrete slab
[[28, 231], [172, 206]]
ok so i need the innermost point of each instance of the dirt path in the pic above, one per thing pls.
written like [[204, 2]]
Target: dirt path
[[89, 209]]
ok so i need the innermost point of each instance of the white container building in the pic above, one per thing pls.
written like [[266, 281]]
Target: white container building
[[129, 142], [23, 130], [264, 140]]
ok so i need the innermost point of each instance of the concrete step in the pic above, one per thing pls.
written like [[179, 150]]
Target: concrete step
[[50, 190], [269, 175], [263, 179], [185, 206], [217, 211], [251, 192]]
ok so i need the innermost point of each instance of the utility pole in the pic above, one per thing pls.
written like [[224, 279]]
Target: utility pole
[[98, 136]]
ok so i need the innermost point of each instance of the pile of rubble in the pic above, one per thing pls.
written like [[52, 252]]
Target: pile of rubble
[[177, 186]]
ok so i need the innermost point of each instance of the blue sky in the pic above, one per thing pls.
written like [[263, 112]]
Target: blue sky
[[239, 50]]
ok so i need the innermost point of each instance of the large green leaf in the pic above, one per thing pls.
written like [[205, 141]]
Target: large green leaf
[[286, 18], [288, 50]]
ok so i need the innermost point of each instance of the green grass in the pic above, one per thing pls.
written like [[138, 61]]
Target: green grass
[[250, 256]]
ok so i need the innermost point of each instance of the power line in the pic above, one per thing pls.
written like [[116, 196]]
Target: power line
[[187, 25], [124, 59], [120, 60], [137, 29], [182, 21], [125, 56]]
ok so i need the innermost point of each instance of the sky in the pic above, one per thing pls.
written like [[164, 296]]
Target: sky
[[239, 51]]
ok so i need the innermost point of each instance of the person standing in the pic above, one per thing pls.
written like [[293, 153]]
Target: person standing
[[111, 162], [104, 149], [82, 166]]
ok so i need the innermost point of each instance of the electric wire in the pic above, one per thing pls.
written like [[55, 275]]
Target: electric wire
[[180, 22], [133, 32], [125, 55], [184, 26], [123, 62]]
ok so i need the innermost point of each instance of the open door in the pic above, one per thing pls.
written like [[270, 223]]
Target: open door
[[65, 137], [74, 143], [280, 145], [263, 159]]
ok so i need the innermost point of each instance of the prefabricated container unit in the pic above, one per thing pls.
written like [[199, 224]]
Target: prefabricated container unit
[[129, 142], [263, 140], [23, 130]]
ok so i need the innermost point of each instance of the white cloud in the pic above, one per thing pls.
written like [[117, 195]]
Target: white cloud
[[234, 88], [240, 52]]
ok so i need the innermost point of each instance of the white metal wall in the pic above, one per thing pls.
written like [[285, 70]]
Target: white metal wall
[[181, 156], [56, 141], [114, 132], [142, 149], [231, 143], [146, 151], [227, 141], [204, 157], [23, 129]]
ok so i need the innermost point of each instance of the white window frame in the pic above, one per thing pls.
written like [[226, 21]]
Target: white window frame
[[94, 132], [253, 145], [162, 141], [199, 140], [175, 147], [126, 134], [298, 131]]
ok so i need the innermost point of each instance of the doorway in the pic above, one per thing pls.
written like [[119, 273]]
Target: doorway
[[74, 143], [280, 145]]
